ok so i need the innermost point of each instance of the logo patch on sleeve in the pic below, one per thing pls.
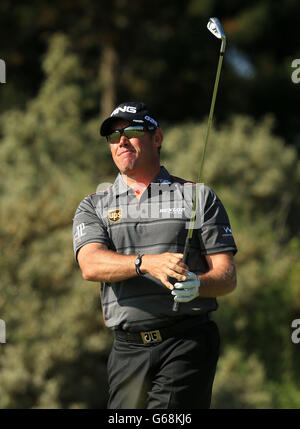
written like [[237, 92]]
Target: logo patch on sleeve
[[80, 232], [115, 215], [228, 232]]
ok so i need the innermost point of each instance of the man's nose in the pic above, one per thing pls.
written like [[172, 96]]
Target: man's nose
[[124, 141]]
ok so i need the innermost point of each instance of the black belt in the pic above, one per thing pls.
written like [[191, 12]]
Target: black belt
[[179, 330]]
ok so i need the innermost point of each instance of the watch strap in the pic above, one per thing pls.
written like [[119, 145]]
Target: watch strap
[[138, 263]]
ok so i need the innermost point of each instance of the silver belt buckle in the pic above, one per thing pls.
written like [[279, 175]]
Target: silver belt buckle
[[151, 337]]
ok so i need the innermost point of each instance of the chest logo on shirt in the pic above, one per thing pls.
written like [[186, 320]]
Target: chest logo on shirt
[[115, 215]]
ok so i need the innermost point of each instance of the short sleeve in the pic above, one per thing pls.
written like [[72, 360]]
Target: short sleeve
[[215, 235], [88, 227]]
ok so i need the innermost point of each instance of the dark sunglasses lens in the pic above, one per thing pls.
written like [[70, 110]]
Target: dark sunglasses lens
[[129, 132], [114, 137], [133, 132]]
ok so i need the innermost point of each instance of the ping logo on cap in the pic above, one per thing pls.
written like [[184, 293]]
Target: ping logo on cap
[[128, 109]]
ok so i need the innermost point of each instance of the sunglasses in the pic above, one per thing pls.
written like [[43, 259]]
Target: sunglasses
[[134, 131]]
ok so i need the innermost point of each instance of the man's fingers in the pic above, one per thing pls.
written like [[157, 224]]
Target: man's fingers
[[191, 275], [166, 283], [181, 293], [178, 267], [173, 256], [175, 275], [182, 299], [177, 255], [185, 285], [184, 267], [169, 266]]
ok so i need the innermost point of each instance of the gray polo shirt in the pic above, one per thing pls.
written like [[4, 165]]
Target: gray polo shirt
[[156, 224]]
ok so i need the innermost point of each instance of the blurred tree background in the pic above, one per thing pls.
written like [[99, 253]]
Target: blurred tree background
[[68, 64]]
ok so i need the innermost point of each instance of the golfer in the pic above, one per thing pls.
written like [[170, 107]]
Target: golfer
[[131, 238]]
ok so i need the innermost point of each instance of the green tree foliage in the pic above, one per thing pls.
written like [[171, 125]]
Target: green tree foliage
[[162, 53], [56, 345], [51, 157], [240, 382]]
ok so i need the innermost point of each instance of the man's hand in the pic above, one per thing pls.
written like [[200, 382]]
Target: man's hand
[[188, 290], [165, 265]]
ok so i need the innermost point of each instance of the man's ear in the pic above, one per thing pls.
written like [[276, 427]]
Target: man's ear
[[158, 137]]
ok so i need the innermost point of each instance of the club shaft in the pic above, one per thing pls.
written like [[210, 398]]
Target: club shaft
[[200, 177]]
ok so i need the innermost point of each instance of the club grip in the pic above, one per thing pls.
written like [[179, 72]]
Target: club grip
[[184, 260]]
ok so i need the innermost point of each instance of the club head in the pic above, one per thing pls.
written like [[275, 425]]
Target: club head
[[216, 28]]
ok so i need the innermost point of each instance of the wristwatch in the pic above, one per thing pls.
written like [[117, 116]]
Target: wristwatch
[[137, 263]]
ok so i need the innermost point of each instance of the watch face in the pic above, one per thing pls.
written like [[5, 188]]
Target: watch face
[[137, 261]]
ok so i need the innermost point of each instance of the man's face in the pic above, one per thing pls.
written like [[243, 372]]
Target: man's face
[[135, 155]]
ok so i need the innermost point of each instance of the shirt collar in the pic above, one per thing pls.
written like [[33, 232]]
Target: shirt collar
[[120, 187], [163, 176]]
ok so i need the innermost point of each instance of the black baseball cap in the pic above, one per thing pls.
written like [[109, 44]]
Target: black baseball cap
[[134, 112]]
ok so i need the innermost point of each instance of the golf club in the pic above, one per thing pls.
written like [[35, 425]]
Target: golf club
[[215, 27]]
